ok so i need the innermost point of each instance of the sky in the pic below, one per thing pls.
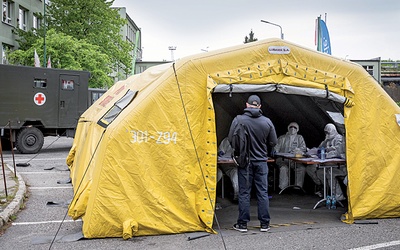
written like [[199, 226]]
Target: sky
[[358, 29]]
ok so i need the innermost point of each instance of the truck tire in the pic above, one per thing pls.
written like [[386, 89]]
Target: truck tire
[[29, 140]]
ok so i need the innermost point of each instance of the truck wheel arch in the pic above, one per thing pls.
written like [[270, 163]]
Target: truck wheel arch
[[29, 140]]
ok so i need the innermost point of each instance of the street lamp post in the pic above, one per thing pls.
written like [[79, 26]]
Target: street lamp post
[[172, 48], [275, 25]]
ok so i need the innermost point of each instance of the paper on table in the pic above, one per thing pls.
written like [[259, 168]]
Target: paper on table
[[284, 154], [312, 151]]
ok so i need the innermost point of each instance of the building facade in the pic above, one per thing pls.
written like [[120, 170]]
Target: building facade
[[372, 66], [391, 73], [143, 65], [22, 14], [386, 73], [131, 33]]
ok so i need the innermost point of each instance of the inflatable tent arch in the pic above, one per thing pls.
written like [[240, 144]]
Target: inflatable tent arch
[[152, 169]]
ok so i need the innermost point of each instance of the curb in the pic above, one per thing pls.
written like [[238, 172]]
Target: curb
[[14, 206]]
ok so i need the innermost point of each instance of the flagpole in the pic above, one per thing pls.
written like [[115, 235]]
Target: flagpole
[[319, 47], [44, 37]]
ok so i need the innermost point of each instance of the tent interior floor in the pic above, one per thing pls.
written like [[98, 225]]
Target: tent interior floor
[[291, 210]]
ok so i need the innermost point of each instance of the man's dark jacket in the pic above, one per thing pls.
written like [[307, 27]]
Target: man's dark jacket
[[262, 133]]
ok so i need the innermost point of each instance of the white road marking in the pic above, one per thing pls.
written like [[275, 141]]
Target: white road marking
[[42, 188], [377, 246], [43, 222], [26, 160], [48, 172]]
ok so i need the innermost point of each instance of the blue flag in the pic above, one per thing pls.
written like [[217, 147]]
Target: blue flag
[[325, 42]]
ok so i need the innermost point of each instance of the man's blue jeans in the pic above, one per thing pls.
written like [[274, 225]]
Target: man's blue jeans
[[258, 172]]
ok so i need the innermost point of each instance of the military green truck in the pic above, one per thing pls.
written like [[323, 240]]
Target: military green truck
[[37, 102]]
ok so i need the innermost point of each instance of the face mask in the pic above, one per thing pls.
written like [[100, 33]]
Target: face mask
[[329, 136], [292, 131]]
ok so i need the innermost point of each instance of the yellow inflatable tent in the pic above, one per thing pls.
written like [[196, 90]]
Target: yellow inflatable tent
[[144, 159]]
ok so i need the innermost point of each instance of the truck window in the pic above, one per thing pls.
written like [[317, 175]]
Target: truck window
[[67, 84], [39, 83], [96, 95]]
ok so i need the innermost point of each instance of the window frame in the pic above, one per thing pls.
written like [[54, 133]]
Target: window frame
[[22, 18], [7, 8], [117, 108]]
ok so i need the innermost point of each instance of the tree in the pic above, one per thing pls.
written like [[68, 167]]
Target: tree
[[68, 53], [251, 38], [97, 23], [92, 26]]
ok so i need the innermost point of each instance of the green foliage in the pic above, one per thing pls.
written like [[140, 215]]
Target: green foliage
[[250, 38], [26, 39], [398, 103], [67, 52], [95, 22], [79, 35]]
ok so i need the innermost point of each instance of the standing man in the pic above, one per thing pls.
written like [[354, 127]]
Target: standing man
[[261, 135]]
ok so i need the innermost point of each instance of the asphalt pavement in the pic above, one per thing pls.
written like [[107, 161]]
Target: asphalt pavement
[[12, 193]]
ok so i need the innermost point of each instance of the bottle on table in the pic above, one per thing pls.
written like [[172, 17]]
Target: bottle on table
[[322, 153], [333, 203], [328, 202]]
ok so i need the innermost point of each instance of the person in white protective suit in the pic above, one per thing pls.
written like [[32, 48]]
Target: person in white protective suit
[[225, 151], [334, 145], [291, 142]]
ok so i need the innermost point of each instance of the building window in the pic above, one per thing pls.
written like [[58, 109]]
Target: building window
[[7, 10], [22, 20], [36, 22], [141, 69], [4, 49], [369, 69]]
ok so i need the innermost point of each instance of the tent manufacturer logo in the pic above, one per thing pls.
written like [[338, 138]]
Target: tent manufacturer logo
[[281, 50]]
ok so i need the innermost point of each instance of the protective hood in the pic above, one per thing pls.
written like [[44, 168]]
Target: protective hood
[[293, 128], [330, 131]]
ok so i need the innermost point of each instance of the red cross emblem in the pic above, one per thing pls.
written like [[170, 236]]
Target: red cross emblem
[[39, 99]]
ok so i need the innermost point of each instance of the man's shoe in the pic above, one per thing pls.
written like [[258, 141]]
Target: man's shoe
[[240, 228], [264, 228]]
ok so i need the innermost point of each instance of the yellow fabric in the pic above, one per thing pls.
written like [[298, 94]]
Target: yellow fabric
[[155, 164], [130, 227]]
